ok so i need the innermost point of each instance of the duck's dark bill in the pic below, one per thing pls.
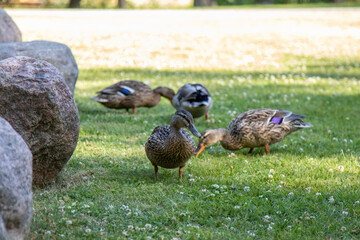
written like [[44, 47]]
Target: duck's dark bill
[[193, 130], [199, 149]]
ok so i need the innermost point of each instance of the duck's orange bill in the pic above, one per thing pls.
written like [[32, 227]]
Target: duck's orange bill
[[199, 149]]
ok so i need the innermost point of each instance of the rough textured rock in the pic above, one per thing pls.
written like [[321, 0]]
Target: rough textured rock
[[3, 235], [57, 54], [15, 184], [9, 32], [35, 100]]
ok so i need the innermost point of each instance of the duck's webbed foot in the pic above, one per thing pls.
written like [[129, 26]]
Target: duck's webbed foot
[[156, 169], [180, 172], [267, 150], [250, 151]]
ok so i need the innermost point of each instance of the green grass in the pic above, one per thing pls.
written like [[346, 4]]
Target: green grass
[[108, 189]]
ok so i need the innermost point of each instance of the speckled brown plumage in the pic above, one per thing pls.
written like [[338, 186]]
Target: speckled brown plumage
[[254, 128], [140, 95], [172, 147]]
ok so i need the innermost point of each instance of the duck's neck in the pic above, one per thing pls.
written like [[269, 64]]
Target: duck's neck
[[164, 92], [227, 141]]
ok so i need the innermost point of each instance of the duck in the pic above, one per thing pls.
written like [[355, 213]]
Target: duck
[[172, 146], [194, 98], [132, 94], [254, 128]]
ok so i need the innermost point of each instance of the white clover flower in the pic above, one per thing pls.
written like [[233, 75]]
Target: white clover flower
[[341, 168], [87, 230], [231, 155], [124, 233], [347, 118], [308, 189], [203, 190], [344, 213], [217, 192], [335, 139], [47, 232], [271, 171], [267, 217], [331, 199], [215, 186], [357, 202], [302, 138], [247, 189], [111, 207], [301, 150], [329, 131], [291, 194], [269, 228], [317, 194], [331, 170], [212, 195], [236, 207], [191, 180], [148, 226], [68, 222], [343, 228], [246, 161], [308, 98], [181, 192], [86, 206], [244, 171], [270, 176], [130, 227], [279, 186]]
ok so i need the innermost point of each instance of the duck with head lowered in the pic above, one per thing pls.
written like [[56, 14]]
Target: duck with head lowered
[[194, 98], [254, 128], [132, 94], [171, 146]]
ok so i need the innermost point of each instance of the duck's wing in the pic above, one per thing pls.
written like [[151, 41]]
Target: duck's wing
[[192, 95], [125, 88]]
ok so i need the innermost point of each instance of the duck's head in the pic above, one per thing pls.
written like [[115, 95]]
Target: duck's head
[[209, 137], [183, 118]]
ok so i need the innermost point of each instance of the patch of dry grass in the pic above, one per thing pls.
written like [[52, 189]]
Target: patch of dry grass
[[195, 39]]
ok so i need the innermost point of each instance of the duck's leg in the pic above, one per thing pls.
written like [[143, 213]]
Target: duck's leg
[[156, 169], [180, 172], [250, 151], [267, 149], [134, 111], [207, 118], [127, 111]]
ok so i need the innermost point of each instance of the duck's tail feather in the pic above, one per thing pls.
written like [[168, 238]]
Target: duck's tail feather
[[100, 100]]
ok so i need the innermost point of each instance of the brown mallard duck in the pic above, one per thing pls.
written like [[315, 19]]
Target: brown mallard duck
[[254, 128], [132, 94], [194, 98], [172, 147]]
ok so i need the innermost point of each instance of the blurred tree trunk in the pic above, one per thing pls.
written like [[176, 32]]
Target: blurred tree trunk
[[121, 3], [74, 4], [204, 3]]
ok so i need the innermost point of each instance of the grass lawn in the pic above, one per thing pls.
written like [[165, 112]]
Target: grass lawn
[[307, 188], [303, 60]]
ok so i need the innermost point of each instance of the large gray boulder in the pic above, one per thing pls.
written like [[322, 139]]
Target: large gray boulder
[[55, 53], [9, 32], [15, 184], [35, 100]]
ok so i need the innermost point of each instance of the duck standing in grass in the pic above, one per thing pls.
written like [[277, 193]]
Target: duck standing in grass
[[172, 147], [254, 128], [132, 94], [194, 98]]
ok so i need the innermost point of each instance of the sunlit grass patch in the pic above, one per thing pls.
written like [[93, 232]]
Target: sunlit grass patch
[[306, 188]]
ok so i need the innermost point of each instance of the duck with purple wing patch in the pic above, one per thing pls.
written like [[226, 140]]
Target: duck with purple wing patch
[[132, 94], [172, 147], [254, 128]]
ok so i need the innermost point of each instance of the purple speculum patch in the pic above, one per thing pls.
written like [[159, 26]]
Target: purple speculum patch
[[276, 120]]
